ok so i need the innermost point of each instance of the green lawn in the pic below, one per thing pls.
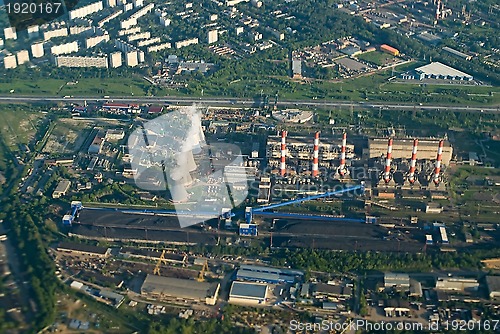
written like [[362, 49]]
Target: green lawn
[[376, 57], [18, 125]]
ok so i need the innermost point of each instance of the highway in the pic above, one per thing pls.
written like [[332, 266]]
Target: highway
[[241, 102]]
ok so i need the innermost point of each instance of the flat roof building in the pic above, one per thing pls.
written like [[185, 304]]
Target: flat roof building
[[61, 189], [248, 293], [267, 274], [82, 249], [398, 281], [10, 61], [493, 284], [402, 148], [180, 289], [437, 70]]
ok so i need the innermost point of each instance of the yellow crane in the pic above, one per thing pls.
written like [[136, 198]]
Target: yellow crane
[[161, 260], [201, 275]]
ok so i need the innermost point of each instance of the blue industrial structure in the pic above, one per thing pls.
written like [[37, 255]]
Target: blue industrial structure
[[250, 212], [76, 206], [248, 229]]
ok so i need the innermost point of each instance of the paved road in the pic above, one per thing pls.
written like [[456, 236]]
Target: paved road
[[223, 101]]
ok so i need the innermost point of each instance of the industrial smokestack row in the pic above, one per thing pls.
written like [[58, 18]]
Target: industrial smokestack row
[[342, 169], [283, 153], [387, 172], [437, 169], [413, 163], [315, 165]]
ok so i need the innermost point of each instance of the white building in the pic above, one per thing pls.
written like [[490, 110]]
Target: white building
[[22, 56], [115, 59], [10, 33], [85, 10], [10, 61], [37, 50], [142, 35], [77, 61], [186, 42], [150, 41], [155, 48], [110, 3], [213, 36], [93, 41], [131, 58], [64, 48], [60, 32], [248, 293], [33, 31]]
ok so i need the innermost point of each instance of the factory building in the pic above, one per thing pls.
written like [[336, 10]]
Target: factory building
[[61, 189], [397, 281], [389, 49], [83, 250], [267, 274], [457, 53], [10, 61], [437, 70], [402, 148], [80, 61], [493, 284], [457, 284], [64, 48], [169, 288], [115, 59], [213, 36], [37, 50], [85, 10], [296, 68], [10, 33], [323, 290], [97, 144], [299, 150], [22, 56], [248, 293]]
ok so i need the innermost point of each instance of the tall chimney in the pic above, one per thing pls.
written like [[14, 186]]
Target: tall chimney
[[413, 163], [283, 153], [437, 169], [315, 164], [387, 172], [342, 169]]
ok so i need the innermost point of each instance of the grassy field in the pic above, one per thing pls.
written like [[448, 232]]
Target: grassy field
[[18, 125], [376, 57], [368, 88]]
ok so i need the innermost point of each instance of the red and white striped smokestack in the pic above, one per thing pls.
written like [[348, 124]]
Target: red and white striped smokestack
[[413, 163], [283, 153], [437, 169], [315, 165], [342, 155], [387, 172]]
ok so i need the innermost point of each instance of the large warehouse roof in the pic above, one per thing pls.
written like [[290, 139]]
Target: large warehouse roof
[[175, 287], [439, 69], [248, 290]]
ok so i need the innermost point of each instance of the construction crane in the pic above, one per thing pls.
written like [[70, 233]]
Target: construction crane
[[201, 274], [250, 212], [161, 260]]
